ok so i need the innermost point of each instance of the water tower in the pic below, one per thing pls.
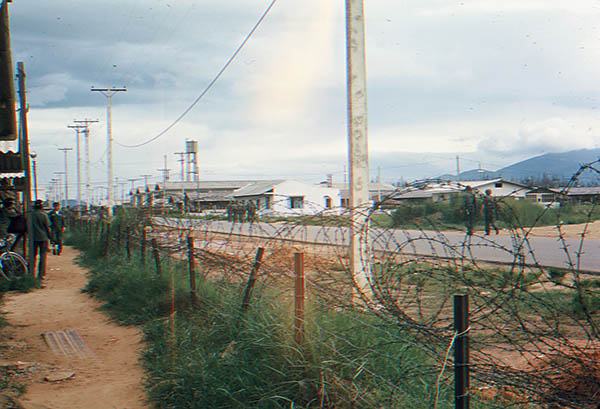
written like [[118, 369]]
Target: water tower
[[191, 153]]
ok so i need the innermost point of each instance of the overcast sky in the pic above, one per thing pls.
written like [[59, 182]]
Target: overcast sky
[[495, 82]]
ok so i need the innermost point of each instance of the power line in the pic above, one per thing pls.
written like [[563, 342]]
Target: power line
[[214, 80]]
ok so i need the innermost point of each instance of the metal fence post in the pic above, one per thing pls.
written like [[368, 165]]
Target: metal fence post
[[192, 270], [461, 352], [143, 247], [252, 279], [127, 244], [299, 298], [106, 239], [156, 255]]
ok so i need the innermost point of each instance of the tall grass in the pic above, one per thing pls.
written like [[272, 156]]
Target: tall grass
[[221, 358]]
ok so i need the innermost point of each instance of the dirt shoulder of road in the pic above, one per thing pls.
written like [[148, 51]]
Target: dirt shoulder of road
[[111, 377]]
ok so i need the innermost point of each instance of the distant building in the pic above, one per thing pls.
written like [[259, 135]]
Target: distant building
[[583, 195], [437, 191], [289, 197], [378, 192], [499, 187]]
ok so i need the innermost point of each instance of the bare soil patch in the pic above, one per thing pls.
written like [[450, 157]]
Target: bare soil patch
[[111, 379]]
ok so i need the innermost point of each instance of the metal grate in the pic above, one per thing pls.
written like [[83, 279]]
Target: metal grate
[[68, 343]]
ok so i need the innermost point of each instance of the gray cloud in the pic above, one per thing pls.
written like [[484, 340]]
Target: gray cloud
[[493, 81]]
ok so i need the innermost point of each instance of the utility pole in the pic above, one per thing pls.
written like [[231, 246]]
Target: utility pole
[[132, 182], [132, 187], [78, 129], [86, 135], [108, 93], [24, 149], [358, 152], [59, 185], [33, 156], [66, 150], [165, 171], [122, 184], [146, 177], [182, 160], [457, 169]]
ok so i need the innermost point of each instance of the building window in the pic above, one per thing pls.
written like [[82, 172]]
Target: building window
[[498, 184], [267, 202], [547, 197], [327, 202], [296, 202]]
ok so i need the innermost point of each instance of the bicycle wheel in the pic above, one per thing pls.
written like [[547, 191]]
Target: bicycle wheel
[[12, 265]]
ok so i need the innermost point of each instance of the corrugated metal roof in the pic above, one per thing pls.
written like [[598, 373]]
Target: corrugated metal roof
[[595, 190], [206, 185], [257, 188]]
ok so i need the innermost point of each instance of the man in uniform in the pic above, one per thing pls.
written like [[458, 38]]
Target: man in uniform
[[470, 209], [250, 211], [57, 227], [41, 234], [489, 212]]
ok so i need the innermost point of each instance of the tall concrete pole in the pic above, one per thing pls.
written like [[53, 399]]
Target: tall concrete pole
[[108, 93], [78, 129], [66, 150], [165, 172], [35, 190], [86, 136], [358, 152]]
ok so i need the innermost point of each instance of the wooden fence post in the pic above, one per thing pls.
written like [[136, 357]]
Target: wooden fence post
[[127, 244], [156, 255], [143, 247], [252, 279], [299, 298], [118, 238], [106, 239], [461, 352], [192, 270]]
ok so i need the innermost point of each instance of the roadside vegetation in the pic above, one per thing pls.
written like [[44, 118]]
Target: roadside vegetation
[[219, 357], [510, 214], [212, 353]]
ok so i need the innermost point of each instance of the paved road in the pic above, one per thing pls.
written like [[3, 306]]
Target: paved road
[[503, 248]]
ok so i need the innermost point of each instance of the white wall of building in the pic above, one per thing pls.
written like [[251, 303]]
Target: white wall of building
[[313, 198], [309, 199], [501, 188]]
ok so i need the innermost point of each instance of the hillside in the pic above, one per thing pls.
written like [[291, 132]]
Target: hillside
[[552, 166]]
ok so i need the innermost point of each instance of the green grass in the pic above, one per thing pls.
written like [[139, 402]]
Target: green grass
[[223, 359], [511, 213]]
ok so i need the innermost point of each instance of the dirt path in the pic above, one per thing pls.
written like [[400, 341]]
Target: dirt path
[[111, 378]]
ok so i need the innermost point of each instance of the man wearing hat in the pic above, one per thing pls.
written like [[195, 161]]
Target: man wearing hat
[[41, 234], [57, 227]]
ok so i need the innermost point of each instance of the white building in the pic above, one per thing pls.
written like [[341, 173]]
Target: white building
[[499, 187], [289, 197]]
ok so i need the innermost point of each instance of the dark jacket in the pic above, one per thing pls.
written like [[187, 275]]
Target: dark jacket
[[41, 225], [57, 220]]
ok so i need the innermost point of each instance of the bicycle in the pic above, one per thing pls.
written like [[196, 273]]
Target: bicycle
[[12, 265]]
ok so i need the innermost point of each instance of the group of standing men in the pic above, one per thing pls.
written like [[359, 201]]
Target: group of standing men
[[471, 210], [240, 212], [47, 227]]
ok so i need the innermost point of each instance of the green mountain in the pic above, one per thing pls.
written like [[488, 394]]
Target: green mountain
[[549, 168]]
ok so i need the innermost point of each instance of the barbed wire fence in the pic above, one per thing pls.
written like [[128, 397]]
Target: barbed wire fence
[[533, 327]]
